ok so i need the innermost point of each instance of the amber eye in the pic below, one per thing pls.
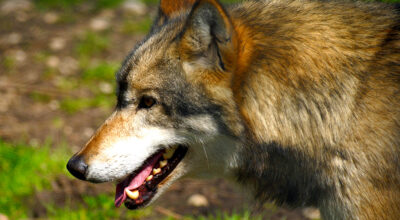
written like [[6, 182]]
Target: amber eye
[[146, 102]]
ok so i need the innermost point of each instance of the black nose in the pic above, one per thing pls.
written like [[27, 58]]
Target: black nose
[[77, 167]]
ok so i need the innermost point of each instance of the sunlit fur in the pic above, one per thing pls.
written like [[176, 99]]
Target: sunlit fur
[[297, 100]]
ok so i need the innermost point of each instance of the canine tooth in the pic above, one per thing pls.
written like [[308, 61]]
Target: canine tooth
[[132, 195], [156, 171], [168, 154], [149, 178], [163, 163]]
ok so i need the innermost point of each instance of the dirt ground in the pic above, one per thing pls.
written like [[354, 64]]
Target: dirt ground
[[38, 51]]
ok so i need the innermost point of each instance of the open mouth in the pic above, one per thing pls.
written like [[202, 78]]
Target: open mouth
[[139, 188]]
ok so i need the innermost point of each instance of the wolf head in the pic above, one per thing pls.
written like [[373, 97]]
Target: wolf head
[[176, 115]]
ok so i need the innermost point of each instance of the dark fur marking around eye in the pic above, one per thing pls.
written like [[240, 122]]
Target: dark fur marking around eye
[[121, 99], [146, 102]]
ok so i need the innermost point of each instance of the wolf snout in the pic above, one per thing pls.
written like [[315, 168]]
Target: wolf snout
[[77, 167]]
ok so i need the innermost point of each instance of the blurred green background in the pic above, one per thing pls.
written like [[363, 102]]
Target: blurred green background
[[57, 65]]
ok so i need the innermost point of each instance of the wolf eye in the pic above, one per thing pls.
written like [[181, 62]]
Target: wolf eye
[[146, 102]]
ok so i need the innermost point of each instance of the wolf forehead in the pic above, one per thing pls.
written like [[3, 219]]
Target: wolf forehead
[[155, 55], [152, 64]]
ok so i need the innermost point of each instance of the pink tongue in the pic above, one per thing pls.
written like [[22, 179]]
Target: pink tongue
[[120, 194]]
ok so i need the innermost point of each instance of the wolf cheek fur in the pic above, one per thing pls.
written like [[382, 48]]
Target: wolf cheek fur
[[297, 100]]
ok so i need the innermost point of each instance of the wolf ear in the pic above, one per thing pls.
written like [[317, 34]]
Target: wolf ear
[[171, 8], [208, 36]]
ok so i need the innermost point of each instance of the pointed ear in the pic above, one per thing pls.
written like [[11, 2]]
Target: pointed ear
[[170, 8], [208, 38]]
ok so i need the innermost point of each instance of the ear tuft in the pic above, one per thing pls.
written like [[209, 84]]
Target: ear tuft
[[170, 7]]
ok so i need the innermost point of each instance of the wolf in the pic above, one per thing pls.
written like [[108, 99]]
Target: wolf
[[296, 100]]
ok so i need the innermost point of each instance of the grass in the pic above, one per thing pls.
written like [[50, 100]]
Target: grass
[[101, 208], [134, 27], [92, 78], [101, 4], [246, 215], [103, 71], [154, 2], [72, 105], [39, 97], [25, 170], [8, 63], [91, 44], [68, 5], [58, 4], [96, 207]]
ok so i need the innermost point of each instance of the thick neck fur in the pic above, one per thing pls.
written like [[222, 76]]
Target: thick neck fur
[[305, 86], [257, 167]]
